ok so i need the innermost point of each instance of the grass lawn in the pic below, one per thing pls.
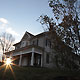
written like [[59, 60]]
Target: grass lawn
[[35, 73]]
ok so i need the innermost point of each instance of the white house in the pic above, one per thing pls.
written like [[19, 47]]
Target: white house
[[33, 50]]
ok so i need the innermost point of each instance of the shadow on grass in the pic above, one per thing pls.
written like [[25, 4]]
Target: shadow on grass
[[36, 73]]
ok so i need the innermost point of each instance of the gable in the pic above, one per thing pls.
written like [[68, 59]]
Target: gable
[[27, 36]]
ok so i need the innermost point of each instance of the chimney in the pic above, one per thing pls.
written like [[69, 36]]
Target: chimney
[[50, 26]]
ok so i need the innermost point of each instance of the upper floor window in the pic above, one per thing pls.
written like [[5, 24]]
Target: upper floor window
[[48, 43], [35, 42], [17, 46]]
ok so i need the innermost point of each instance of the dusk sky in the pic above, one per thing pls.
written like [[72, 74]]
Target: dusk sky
[[18, 16]]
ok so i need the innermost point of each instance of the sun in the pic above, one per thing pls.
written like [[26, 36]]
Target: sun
[[8, 61]]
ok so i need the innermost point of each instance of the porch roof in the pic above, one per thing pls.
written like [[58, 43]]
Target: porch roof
[[25, 50], [27, 47]]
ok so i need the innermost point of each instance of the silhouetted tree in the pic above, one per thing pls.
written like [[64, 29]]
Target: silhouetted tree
[[64, 31], [6, 42], [68, 11]]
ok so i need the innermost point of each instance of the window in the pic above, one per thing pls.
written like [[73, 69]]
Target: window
[[17, 46], [48, 43], [37, 42], [47, 58], [23, 44], [33, 42]]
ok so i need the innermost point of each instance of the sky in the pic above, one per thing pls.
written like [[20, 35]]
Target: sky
[[19, 16]]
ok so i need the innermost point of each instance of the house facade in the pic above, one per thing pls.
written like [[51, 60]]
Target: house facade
[[33, 50], [36, 50]]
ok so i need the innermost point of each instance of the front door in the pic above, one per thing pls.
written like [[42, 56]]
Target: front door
[[37, 60], [29, 60]]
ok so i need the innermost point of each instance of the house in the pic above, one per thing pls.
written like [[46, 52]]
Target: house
[[35, 50], [32, 50]]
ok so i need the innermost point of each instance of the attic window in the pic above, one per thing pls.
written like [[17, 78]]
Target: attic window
[[23, 44]]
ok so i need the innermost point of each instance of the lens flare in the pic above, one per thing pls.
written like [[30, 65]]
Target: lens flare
[[8, 61]]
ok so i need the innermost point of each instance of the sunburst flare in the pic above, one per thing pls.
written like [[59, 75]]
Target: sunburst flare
[[8, 63]]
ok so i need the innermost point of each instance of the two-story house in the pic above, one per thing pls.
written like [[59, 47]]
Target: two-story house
[[33, 50], [36, 50]]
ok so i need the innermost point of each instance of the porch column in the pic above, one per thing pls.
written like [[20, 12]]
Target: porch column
[[20, 60], [41, 60], [32, 57]]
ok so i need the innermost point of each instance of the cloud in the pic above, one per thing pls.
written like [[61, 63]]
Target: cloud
[[4, 21], [11, 31], [5, 26]]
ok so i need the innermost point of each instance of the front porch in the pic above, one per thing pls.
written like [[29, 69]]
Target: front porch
[[29, 57]]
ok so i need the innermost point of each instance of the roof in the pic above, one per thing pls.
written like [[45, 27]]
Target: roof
[[32, 36], [24, 37], [17, 43], [60, 42], [40, 35], [27, 47], [27, 34]]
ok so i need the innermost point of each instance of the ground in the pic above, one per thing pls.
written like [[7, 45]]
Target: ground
[[37, 73]]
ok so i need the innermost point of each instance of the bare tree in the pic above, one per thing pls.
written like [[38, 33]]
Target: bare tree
[[6, 42]]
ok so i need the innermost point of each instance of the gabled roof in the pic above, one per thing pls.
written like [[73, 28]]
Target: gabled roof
[[32, 36], [40, 34], [27, 34]]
